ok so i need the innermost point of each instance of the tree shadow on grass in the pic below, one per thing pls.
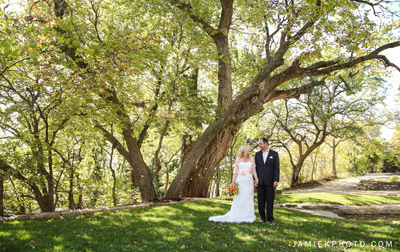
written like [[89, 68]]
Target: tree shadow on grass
[[340, 199], [289, 198], [357, 199], [185, 227]]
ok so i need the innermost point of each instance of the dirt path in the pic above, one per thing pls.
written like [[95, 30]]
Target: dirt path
[[348, 185], [345, 186]]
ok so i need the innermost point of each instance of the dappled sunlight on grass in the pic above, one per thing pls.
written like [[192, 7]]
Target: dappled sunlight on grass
[[57, 238], [4, 234], [23, 235], [334, 198], [185, 226], [58, 248]]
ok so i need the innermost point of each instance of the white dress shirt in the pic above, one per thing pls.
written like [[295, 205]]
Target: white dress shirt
[[265, 155]]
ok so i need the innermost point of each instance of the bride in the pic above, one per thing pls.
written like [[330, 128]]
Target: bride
[[242, 209]]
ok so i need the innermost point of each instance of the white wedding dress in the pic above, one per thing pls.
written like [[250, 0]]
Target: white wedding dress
[[242, 209]]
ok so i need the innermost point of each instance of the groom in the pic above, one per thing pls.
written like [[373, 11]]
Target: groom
[[267, 167]]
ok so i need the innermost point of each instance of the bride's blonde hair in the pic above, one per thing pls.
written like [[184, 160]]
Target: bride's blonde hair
[[242, 151]]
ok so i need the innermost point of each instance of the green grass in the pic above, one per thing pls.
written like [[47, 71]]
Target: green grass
[[336, 198], [185, 226], [391, 179]]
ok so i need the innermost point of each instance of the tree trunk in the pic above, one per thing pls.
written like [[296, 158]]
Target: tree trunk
[[50, 202], [80, 197], [141, 175], [40, 199], [166, 180], [194, 175], [45, 198], [1, 195], [210, 190], [199, 181], [133, 183], [187, 144], [295, 175], [115, 201], [312, 172], [44, 193], [334, 175], [297, 168], [71, 204], [114, 195], [218, 181], [211, 147], [141, 172], [314, 165]]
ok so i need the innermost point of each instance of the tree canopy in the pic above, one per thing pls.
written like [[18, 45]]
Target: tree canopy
[[167, 84]]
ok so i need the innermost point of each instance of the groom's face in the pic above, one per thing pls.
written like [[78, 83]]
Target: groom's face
[[262, 145]]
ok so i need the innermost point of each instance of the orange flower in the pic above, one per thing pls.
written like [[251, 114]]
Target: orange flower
[[233, 189]]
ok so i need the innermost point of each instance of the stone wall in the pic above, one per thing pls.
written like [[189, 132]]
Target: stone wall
[[89, 211], [348, 209], [372, 185]]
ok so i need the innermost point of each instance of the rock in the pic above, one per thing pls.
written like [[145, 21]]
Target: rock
[[369, 210], [315, 206], [349, 210], [322, 213], [17, 218], [379, 185], [68, 213], [90, 211], [45, 215]]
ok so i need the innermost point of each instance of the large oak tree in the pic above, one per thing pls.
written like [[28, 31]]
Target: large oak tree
[[302, 44], [261, 51]]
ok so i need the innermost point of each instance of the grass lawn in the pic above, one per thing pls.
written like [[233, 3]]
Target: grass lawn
[[385, 179], [336, 198], [185, 226]]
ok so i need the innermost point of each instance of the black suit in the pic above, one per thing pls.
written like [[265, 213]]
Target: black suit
[[267, 173]]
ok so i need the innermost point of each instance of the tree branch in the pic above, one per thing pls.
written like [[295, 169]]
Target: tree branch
[[370, 4], [351, 63], [114, 141], [96, 19], [295, 71], [189, 10], [9, 169], [156, 154], [13, 64], [294, 92], [153, 110], [307, 25], [387, 62]]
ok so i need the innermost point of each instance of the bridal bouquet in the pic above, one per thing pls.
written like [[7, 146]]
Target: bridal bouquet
[[233, 189]]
